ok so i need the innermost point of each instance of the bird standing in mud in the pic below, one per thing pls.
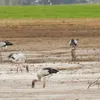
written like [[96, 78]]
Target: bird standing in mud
[[4, 44], [73, 44], [42, 73], [18, 58]]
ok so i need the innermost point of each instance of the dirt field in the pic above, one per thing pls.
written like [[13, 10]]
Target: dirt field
[[45, 44]]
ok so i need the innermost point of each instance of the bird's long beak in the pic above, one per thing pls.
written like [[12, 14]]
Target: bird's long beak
[[33, 84]]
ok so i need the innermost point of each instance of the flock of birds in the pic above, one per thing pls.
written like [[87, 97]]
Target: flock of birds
[[20, 58]]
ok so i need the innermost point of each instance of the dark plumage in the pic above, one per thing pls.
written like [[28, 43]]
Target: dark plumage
[[8, 43], [51, 70], [11, 56]]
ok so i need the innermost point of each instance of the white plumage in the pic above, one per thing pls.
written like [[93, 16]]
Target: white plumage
[[18, 58], [2, 44], [42, 73], [76, 42]]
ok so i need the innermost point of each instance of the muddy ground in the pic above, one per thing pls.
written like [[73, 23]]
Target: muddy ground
[[45, 44]]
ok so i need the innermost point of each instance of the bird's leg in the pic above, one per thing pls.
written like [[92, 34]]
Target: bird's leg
[[17, 68], [0, 56], [44, 82], [27, 69], [20, 68], [33, 83]]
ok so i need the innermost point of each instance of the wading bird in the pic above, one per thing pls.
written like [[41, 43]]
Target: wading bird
[[18, 58], [42, 73], [4, 44], [73, 42]]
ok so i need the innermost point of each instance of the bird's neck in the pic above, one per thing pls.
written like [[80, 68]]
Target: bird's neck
[[39, 77]]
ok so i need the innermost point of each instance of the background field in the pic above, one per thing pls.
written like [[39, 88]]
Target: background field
[[56, 11], [45, 43]]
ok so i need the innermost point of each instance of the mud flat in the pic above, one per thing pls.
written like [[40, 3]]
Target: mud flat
[[45, 44]]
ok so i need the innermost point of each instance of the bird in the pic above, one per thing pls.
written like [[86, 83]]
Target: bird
[[4, 44], [42, 73], [18, 58], [73, 43]]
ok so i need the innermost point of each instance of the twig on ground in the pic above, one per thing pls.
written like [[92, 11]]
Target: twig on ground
[[94, 83]]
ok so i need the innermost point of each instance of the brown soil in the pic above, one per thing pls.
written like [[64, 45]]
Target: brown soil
[[50, 28], [49, 35], [58, 30], [45, 44]]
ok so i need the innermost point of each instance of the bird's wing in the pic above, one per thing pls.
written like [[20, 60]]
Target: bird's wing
[[21, 56], [43, 73], [15, 56], [10, 56], [8, 43]]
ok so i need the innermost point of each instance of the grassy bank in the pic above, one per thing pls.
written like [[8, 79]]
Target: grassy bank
[[56, 11]]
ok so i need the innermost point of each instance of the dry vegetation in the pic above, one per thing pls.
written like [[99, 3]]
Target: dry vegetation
[[47, 28]]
